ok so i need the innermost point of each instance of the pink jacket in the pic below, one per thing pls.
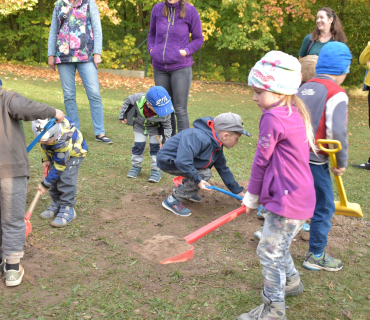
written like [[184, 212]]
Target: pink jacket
[[281, 175]]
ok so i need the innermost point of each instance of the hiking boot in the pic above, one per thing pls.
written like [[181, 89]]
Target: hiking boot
[[267, 311], [50, 212], [258, 233], [13, 277], [293, 285], [363, 165], [176, 207], [325, 262], [196, 198], [134, 172], [65, 216], [155, 175]]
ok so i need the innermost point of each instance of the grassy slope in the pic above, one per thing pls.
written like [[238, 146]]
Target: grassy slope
[[118, 294]]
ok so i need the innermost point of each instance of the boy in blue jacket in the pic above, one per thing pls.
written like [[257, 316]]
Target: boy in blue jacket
[[193, 152]]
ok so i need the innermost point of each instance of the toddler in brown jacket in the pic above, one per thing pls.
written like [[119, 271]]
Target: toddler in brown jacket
[[14, 173]]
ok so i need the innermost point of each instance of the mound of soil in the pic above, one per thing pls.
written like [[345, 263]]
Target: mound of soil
[[159, 248]]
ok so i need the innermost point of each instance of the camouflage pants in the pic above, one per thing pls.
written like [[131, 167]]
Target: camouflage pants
[[188, 188], [273, 252]]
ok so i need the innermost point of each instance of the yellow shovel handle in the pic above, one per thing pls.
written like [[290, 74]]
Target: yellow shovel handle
[[34, 201], [331, 151], [333, 160]]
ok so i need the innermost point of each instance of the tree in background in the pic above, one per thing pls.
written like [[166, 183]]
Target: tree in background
[[237, 32]]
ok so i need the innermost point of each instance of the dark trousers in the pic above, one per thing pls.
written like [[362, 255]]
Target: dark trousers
[[324, 209], [188, 188], [63, 190], [177, 83]]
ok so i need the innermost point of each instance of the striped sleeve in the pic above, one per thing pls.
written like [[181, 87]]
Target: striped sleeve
[[336, 124]]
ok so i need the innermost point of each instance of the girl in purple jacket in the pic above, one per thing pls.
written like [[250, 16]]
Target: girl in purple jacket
[[281, 178], [171, 23]]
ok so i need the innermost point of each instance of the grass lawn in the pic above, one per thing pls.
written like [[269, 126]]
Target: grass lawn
[[89, 271]]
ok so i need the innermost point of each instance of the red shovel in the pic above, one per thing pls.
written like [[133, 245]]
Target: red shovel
[[196, 235], [32, 207]]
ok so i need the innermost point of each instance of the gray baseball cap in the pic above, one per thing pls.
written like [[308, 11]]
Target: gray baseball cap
[[230, 122]]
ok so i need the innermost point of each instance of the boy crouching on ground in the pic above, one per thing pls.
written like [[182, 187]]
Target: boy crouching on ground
[[63, 149], [14, 174], [151, 117], [193, 152]]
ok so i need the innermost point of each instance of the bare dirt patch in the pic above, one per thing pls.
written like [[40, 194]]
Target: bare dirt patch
[[159, 248]]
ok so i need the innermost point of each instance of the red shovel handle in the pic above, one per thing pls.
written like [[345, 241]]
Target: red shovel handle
[[196, 235]]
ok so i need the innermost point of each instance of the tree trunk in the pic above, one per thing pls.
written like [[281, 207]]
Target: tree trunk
[[13, 22], [341, 14], [141, 17]]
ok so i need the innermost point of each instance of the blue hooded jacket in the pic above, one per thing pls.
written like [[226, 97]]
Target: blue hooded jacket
[[197, 148]]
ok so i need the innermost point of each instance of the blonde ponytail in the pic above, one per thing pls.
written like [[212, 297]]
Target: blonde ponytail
[[294, 100]]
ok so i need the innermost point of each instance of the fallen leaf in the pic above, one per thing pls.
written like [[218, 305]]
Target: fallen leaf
[[347, 314]]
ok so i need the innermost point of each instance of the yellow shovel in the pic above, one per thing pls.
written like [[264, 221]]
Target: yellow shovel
[[342, 207]]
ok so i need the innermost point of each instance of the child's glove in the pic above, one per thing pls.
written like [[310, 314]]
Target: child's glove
[[41, 189]]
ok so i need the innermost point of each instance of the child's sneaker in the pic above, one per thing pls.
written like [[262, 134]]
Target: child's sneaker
[[65, 216], [365, 165], [325, 262], [176, 207], [196, 198], [261, 212], [14, 277], [50, 212], [134, 172], [155, 176], [258, 233]]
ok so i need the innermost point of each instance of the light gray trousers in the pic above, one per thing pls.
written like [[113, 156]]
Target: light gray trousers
[[13, 194], [273, 252], [63, 191]]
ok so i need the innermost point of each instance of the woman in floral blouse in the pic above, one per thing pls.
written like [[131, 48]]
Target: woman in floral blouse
[[75, 42]]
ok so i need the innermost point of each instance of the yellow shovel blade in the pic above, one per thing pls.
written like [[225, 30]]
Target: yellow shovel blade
[[352, 209], [342, 207]]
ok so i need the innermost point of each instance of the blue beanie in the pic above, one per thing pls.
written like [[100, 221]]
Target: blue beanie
[[334, 58]]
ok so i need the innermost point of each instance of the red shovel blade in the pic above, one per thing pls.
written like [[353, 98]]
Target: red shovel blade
[[28, 226], [182, 257], [196, 235], [32, 207], [178, 180]]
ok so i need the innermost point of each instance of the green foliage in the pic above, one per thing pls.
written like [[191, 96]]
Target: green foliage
[[237, 33], [118, 51]]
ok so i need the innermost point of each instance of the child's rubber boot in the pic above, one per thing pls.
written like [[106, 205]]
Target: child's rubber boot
[[65, 216], [50, 212], [267, 311]]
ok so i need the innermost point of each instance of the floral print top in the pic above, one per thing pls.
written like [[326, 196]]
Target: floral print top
[[75, 40]]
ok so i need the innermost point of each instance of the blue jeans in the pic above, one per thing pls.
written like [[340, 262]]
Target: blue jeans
[[324, 209], [177, 83], [89, 77]]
